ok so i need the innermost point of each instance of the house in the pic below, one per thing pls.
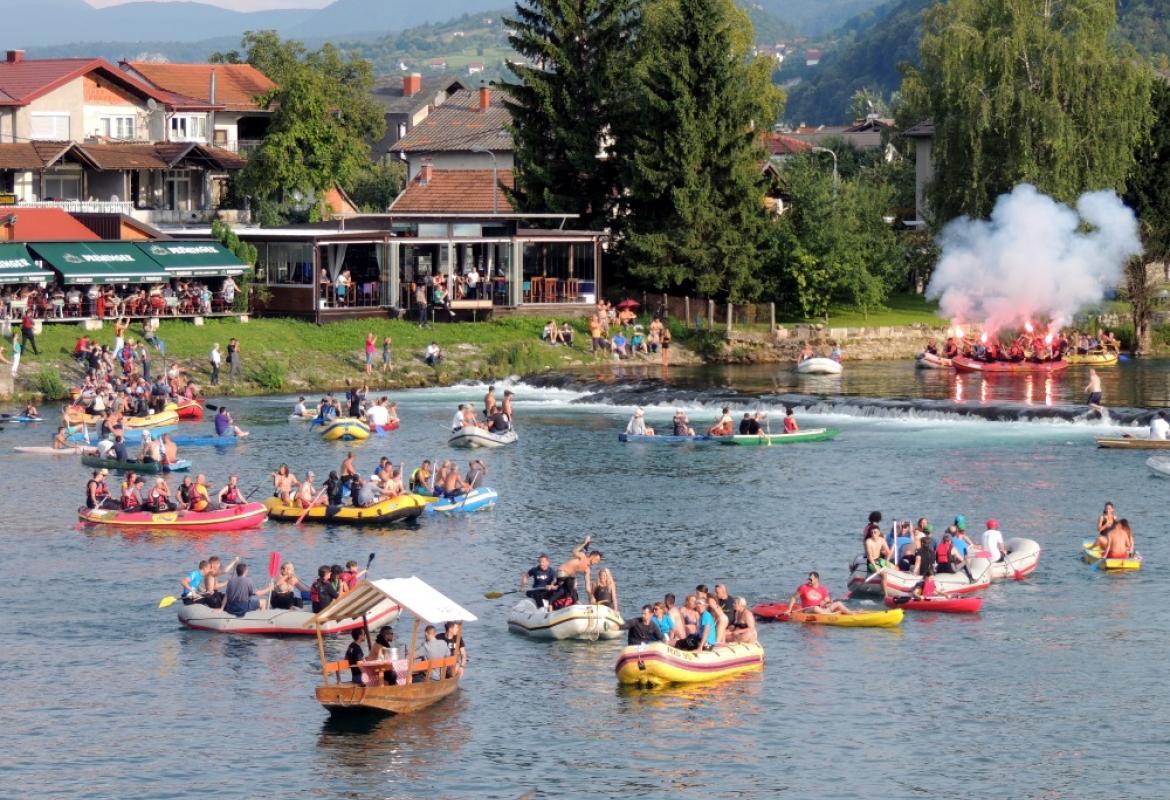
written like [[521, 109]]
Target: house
[[406, 101], [237, 120], [438, 63], [780, 146], [402, 66], [812, 57], [922, 135], [863, 133], [81, 132], [469, 131], [474, 68]]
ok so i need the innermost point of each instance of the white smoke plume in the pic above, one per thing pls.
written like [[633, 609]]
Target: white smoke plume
[[1033, 260]]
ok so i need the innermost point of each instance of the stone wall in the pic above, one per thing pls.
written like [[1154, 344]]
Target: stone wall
[[857, 344]]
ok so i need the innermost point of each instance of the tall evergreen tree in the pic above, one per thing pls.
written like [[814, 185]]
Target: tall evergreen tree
[[1026, 90], [697, 204], [567, 105]]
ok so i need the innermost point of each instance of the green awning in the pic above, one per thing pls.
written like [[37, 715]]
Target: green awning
[[100, 262], [17, 266], [194, 258]]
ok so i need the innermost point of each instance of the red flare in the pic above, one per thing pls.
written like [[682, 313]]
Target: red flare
[[983, 338], [1028, 327]]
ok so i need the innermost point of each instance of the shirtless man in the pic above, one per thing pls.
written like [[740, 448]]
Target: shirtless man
[[815, 598], [348, 470], [507, 408], [392, 485], [877, 550], [489, 402], [211, 581], [582, 561], [61, 440], [723, 424], [1094, 390], [170, 452], [1119, 540], [306, 493], [453, 485], [282, 483]]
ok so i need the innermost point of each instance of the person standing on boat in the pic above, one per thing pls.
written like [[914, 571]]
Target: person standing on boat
[[993, 542], [507, 408], [1159, 427], [582, 561], [1094, 390], [355, 655], [542, 577]]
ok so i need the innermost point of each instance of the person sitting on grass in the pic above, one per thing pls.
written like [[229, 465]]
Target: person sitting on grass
[[566, 334], [619, 346], [434, 355], [551, 333]]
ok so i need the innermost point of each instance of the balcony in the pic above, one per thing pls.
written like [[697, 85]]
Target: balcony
[[83, 206]]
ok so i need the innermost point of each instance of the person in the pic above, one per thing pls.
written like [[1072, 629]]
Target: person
[[333, 487], [806, 353], [230, 495], [551, 333], [371, 348], [725, 600], [665, 623], [506, 406], [618, 345], [582, 561], [452, 637], [351, 576], [815, 598], [644, 629], [1107, 518], [925, 554], [452, 482], [159, 500], [283, 482], [228, 290], [286, 591], [605, 591], [476, 472], [723, 424], [790, 425], [96, 491], [689, 638], [500, 422], [993, 541], [877, 550], [666, 337], [434, 355], [215, 360], [743, 623], [431, 650], [354, 654], [362, 492], [637, 425], [748, 425], [348, 470], [681, 424], [28, 332], [192, 584], [1094, 390], [234, 364], [598, 343], [224, 423], [420, 478], [543, 578], [119, 449], [566, 334], [392, 485], [200, 500], [321, 593], [186, 492], [241, 595], [61, 439], [708, 626], [383, 650], [1159, 427]]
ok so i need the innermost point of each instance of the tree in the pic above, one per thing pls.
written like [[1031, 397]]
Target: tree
[[566, 108], [1026, 90], [696, 188], [1149, 197], [374, 188], [322, 123]]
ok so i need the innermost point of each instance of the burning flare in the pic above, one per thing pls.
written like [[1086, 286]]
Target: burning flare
[[1028, 327]]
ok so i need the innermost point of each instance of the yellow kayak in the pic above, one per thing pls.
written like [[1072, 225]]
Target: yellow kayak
[[1099, 358], [406, 506], [657, 664], [168, 416], [861, 619], [1092, 555], [346, 428]]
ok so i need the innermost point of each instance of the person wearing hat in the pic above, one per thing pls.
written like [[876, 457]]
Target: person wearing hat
[[993, 541], [682, 424], [637, 424], [542, 577]]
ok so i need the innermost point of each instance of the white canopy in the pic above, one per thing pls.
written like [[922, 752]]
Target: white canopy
[[413, 594]]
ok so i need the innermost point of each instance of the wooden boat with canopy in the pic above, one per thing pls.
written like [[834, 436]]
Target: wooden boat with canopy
[[418, 684]]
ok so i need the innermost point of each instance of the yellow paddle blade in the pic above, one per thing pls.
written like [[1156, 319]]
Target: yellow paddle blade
[[493, 595], [166, 601]]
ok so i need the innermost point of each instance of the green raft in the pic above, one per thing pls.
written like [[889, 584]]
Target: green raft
[[810, 435], [141, 467]]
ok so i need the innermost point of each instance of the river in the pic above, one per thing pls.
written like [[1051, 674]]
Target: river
[[1056, 689]]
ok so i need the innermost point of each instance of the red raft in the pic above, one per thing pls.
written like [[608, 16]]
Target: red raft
[[965, 364], [945, 605], [392, 425], [189, 409], [231, 518]]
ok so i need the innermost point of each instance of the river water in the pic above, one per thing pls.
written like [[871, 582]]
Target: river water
[[1058, 682]]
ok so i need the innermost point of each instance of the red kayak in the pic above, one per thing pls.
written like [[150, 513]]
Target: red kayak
[[392, 425], [946, 605], [965, 364], [229, 518], [189, 409], [772, 611]]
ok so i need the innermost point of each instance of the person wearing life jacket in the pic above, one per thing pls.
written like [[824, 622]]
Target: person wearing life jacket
[[200, 500], [946, 555], [131, 499], [159, 499], [321, 593], [420, 479], [230, 495], [790, 425], [723, 424], [96, 491]]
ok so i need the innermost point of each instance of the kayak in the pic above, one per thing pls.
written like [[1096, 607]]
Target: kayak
[[1134, 443], [49, 451], [396, 509], [858, 619], [810, 435], [141, 467], [1022, 557], [20, 418], [966, 364], [189, 409], [931, 361], [307, 416], [392, 425], [581, 622], [1160, 466], [1102, 358], [657, 664], [900, 583], [479, 499], [230, 518], [281, 621], [129, 435], [945, 605], [166, 417], [480, 437], [1092, 556], [630, 438], [345, 429], [819, 366], [210, 439]]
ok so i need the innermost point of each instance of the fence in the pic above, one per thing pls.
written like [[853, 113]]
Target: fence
[[702, 312]]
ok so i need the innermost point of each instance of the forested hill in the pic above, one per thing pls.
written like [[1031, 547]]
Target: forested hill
[[873, 44]]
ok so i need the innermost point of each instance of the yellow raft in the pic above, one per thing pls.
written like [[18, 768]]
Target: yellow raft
[[168, 416], [1092, 555], [656, 664], [864, 619], [345, 428], [1097, 358], [406, 506]]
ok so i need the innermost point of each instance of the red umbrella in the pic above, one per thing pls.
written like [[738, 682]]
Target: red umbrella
[[629, 302]]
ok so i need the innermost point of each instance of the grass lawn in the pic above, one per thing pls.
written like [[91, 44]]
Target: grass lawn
[[900, 309]]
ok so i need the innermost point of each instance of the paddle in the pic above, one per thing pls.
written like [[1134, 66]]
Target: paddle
[[273, 564], [470, 489], [369, 561], [498, 595], [305, 513]]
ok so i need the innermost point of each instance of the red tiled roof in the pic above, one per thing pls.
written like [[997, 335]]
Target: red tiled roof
[[780, 145], [459, 125], [31, 155], [115, 155], [236, 85], [48, 225], [455, 191], [21, 82]]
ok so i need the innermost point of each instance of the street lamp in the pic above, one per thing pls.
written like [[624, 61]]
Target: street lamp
[[495, 168], [836, 177]]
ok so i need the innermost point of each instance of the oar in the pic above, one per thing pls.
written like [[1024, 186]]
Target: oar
[[470, 488], [369, 561], [498, 595], [308, 508], [167, 601]]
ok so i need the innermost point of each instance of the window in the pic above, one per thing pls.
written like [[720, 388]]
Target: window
[[50, 126], [60, 185], [189, 128], [119, 127]]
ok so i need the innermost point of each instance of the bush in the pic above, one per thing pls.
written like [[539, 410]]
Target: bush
[[47, 382], [271, 374]]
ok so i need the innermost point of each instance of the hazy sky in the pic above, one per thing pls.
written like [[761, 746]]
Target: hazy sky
[[235, 5]]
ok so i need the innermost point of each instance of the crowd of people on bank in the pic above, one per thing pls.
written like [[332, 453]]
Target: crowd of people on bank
[[130, 300]]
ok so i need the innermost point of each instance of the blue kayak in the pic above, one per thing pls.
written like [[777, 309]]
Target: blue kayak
[[129, 435], [208, 440], [477, 500], [20, 418], [630, 438]]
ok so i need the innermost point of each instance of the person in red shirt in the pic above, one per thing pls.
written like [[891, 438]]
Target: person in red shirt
[[790, 425], [351, 576], [814, 597]]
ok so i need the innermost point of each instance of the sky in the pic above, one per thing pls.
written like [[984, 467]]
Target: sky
[[234, 5]]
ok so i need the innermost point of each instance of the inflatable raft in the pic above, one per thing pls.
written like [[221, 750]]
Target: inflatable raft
[[944, 605], [280, 621], [859, 619], [1100, 358], [1023, 555], [479, 437], [345, 429], [810, 435], [900, 583], [932, 361], [231, 518], [189, 409], [582, 622], [479, 499], [965, 364], [1159, 465], [141, 467], [49, 451], [1134, 443], [656, 664], [129, 435], [629, 438], [1092, 556], [403, 507], [819, 366]]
